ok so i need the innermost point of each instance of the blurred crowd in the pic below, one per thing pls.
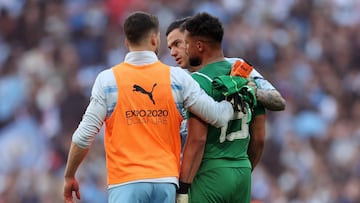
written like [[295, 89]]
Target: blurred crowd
[[52, 50]]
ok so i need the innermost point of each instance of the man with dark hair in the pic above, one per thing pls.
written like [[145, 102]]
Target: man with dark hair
[[176, 25], [137, 27], [176, 44], [142, 120], [213, 156]]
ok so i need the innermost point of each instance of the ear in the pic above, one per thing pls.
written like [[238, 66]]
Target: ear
[[153, 39], [126, 43], [200, 46]]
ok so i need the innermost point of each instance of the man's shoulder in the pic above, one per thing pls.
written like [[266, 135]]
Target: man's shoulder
[[233, 59], [106, 73], [179, 76], [254, 73], [105, 78], [179, 70]]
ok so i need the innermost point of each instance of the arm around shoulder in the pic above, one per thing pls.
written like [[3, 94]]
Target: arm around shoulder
[[202, 105]]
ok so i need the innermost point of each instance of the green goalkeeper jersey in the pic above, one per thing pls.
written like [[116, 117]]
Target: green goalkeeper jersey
[[226, 146]]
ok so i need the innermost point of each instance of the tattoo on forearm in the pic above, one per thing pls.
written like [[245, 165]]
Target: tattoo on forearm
[[271, 100]]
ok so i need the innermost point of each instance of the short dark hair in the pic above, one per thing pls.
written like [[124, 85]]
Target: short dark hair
[[205, 25], [138, 25], [176, 24]]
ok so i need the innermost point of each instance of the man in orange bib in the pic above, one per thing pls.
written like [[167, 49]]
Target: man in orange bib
[[139, 101]]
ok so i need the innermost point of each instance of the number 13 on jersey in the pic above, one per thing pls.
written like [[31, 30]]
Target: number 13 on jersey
[[239, 128]]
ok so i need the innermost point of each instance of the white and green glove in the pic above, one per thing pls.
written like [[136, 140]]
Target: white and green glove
[[182, 198], [182, 193]]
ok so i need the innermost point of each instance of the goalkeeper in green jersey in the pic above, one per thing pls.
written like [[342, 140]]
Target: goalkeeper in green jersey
[[216, 166], [266, 93]]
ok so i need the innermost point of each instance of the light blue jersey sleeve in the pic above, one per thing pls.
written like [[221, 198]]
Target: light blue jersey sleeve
[[260, 81], [102, 102]]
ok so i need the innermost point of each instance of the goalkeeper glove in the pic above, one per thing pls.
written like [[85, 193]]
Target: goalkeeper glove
[[182, 192], [182, 198]]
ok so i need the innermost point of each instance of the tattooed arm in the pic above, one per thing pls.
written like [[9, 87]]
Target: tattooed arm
[[270, 99], [267, 94]]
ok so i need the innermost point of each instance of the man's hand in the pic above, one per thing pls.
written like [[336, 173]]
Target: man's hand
[[71, 185], [182, 198], [253, 85]]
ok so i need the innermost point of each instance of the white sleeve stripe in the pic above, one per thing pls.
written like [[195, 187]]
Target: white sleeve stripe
[[203, 75]]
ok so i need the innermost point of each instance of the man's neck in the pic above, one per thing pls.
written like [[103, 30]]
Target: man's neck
[[142, 47], [206, 61], [194, 68], [213, 57]]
